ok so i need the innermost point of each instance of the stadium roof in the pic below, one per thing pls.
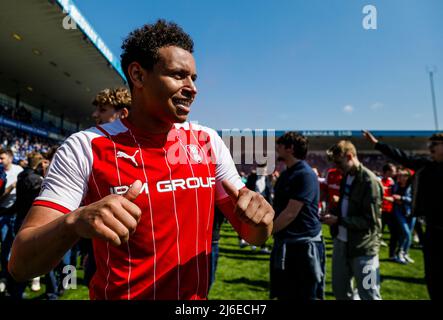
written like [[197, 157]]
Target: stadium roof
[[51, 64]]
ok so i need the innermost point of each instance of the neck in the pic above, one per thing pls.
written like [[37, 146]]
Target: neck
[[147, 123], [291, 162]]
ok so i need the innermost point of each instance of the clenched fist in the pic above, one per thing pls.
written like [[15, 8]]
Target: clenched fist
[[251, 207], [113, 218]]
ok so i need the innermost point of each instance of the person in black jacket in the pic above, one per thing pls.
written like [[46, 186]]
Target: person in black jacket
[[427, 203], [29, 182]]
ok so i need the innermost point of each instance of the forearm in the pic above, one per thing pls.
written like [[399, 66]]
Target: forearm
[[8, 190], [400, 156], [284, 219], [37, 250], [256, 234]]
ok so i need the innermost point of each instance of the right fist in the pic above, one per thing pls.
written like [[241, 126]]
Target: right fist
[[113, 218]]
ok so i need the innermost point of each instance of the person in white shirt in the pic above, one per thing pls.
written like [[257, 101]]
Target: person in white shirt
[[6, 201]]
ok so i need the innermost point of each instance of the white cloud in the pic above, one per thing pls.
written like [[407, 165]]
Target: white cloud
[[377, 106], [348, 108]]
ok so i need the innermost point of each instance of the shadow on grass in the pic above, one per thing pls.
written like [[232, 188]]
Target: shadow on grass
[[243, 252], [255, 283], [247, 258], [41, 296], [228, 236], [403, 279]]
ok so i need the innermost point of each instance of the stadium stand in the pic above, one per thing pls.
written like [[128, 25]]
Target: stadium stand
[[61, 68]]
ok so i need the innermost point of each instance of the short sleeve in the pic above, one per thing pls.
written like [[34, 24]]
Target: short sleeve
[[225, 167], [303, 188], [67, 178]]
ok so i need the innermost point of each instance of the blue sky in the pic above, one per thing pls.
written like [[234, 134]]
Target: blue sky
[[299, 64]]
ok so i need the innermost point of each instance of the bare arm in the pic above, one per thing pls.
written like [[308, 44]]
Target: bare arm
[[43, 239], [413, 162], [46, 234], [287, 215], [249, 213], [8, 190]]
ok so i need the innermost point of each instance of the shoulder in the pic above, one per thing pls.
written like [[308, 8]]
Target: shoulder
[[88, 135], [307, 171], [196, 128], [81, 141], [304, 174], [16, 168], [371, 180], [77, 148], [202, 134], [368, 175]]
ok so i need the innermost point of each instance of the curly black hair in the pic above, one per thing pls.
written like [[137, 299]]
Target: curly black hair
[[142, 44], [299, 142]]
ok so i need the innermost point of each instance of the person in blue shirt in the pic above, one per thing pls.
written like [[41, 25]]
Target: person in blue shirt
[[298, 257]]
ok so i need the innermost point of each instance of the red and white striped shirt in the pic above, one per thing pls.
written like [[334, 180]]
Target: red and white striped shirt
[[168, 255]]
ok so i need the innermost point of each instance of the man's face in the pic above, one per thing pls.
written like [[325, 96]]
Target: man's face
[[344, 163], [282, 152], [105, 113], [5, 159], [436, 149], [169, 88]]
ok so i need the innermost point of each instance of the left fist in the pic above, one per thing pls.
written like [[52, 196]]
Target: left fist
[[251, 207]]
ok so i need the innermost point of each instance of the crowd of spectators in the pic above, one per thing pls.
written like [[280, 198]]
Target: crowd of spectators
[[22, 144], [374, 162]]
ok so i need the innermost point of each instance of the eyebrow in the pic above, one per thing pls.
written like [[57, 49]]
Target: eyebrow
[[182, 70]]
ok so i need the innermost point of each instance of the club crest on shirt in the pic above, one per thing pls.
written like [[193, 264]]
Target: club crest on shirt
[[194, 152]]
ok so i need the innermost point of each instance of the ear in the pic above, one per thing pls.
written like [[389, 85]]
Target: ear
[[137, 74], [124, 113]]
